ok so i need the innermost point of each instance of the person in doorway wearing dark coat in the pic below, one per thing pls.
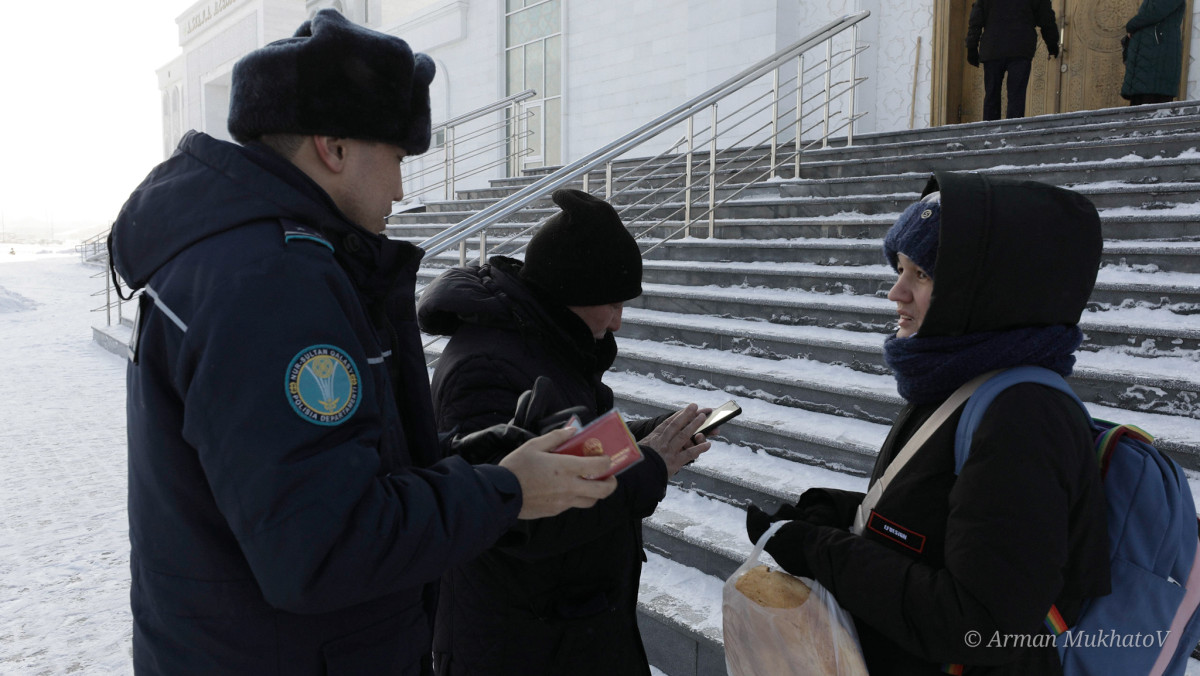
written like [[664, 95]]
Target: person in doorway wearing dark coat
[[1153, 52], [992, 273], [1001, 35], [288, 508], [560, 596]]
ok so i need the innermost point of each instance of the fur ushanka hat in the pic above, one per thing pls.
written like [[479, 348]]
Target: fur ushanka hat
[[583, 255], [334, 78]]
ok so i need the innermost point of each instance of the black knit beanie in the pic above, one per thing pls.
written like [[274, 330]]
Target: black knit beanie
[[583, 255], [334, 78]]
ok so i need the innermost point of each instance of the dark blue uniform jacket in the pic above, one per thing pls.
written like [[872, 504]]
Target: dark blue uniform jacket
[[286, 505]]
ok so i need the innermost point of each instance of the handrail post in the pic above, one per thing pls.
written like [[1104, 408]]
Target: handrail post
[[687, 203], [448, 144], [108, 298], [586, 176], [712, 177], [774, 120], [799, 110], [482, 246], [853, 82], [828, 88], [525, 115], [462, 252], [514, 137], [608, 168]]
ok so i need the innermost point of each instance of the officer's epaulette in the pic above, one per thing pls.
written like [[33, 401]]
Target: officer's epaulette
[[293, 231]]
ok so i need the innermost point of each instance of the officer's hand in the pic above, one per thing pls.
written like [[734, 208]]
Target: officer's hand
[[673, 439], [553, 483], [973, 56]]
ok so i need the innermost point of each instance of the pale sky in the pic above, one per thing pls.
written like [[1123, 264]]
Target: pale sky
[[80, 108]]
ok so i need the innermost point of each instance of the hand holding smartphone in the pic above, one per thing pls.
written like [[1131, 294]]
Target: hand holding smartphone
[[722, 414]]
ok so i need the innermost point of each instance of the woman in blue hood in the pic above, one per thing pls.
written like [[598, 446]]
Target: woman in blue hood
[[992, 274]]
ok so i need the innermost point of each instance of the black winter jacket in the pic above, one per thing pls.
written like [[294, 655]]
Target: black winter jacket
[[1007, 28], [1154, 56], [1023, 526], [287, 508], [559, 595]]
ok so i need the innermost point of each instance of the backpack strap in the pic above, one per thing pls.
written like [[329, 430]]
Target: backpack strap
[[1108, 440], [978, 404], [973, 414], [915, 442]]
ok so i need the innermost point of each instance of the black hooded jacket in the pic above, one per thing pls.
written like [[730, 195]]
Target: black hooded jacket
[[559, 595], [1023, 526], [1004, 29], [287, 506]]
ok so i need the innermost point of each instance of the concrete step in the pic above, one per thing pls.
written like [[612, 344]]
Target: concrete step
[[679, 617], [1124, 116], [1130, 325], [1168, 384], [1177, 222], [1114, 285], [848, 444], [1083, 151], [764, 204], [1143, 256]]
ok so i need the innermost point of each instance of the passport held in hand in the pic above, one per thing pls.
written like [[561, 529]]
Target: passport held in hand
[[606, 435]]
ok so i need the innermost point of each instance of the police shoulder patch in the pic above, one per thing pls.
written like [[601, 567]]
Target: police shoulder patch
[[323, 385]]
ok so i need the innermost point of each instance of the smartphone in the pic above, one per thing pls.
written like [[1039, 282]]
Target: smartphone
[[720, 415]]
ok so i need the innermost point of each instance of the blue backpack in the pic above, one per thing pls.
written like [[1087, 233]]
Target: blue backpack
[[1153, 542]]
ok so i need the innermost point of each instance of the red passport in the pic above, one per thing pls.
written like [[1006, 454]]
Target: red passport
[[606, 435]]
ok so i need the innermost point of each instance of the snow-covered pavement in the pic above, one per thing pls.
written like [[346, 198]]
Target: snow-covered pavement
[[64, 547]]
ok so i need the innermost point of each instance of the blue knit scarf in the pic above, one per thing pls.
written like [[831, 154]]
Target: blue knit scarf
[[930, 369]]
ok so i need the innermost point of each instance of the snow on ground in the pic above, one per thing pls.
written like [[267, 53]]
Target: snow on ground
[[64, 552]]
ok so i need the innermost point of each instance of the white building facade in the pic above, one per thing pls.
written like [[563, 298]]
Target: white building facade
[[603, 68]]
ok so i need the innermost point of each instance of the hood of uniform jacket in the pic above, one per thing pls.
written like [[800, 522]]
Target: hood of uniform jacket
[[1011, 253], [494, 295], [207, 187]]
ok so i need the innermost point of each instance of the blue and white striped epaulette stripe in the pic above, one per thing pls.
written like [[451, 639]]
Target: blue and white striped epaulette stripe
[[158, 302], [289, 235], [380, 358]]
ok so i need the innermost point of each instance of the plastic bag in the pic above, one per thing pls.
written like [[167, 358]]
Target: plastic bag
[[816, 638]]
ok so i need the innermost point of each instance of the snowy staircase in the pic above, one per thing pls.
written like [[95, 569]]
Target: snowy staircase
[[784, 311]]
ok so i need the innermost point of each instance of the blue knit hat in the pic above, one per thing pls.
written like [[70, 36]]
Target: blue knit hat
[[915, 233]]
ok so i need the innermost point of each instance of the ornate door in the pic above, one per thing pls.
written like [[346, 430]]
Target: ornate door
[[1087, 73]]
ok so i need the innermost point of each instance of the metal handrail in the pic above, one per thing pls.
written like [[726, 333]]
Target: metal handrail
[[490, 108], [505, 137], [477, 222]]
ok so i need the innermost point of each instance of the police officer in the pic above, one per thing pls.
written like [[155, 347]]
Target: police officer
[[287, 511]]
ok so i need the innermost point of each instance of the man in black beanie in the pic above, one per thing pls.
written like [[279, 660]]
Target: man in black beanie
[[558, 596], [288, 510]]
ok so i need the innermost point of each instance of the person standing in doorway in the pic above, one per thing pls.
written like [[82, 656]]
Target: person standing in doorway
[[1153, 52], [1002, 36]]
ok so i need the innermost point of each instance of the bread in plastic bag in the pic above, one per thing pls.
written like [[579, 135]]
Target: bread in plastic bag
[[780, 625]]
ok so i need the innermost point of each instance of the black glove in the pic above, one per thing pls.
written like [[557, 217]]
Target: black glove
[[973, 56], [1053, 51], [541, 409], [787, 545], [489, 444], [1125, 48]]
